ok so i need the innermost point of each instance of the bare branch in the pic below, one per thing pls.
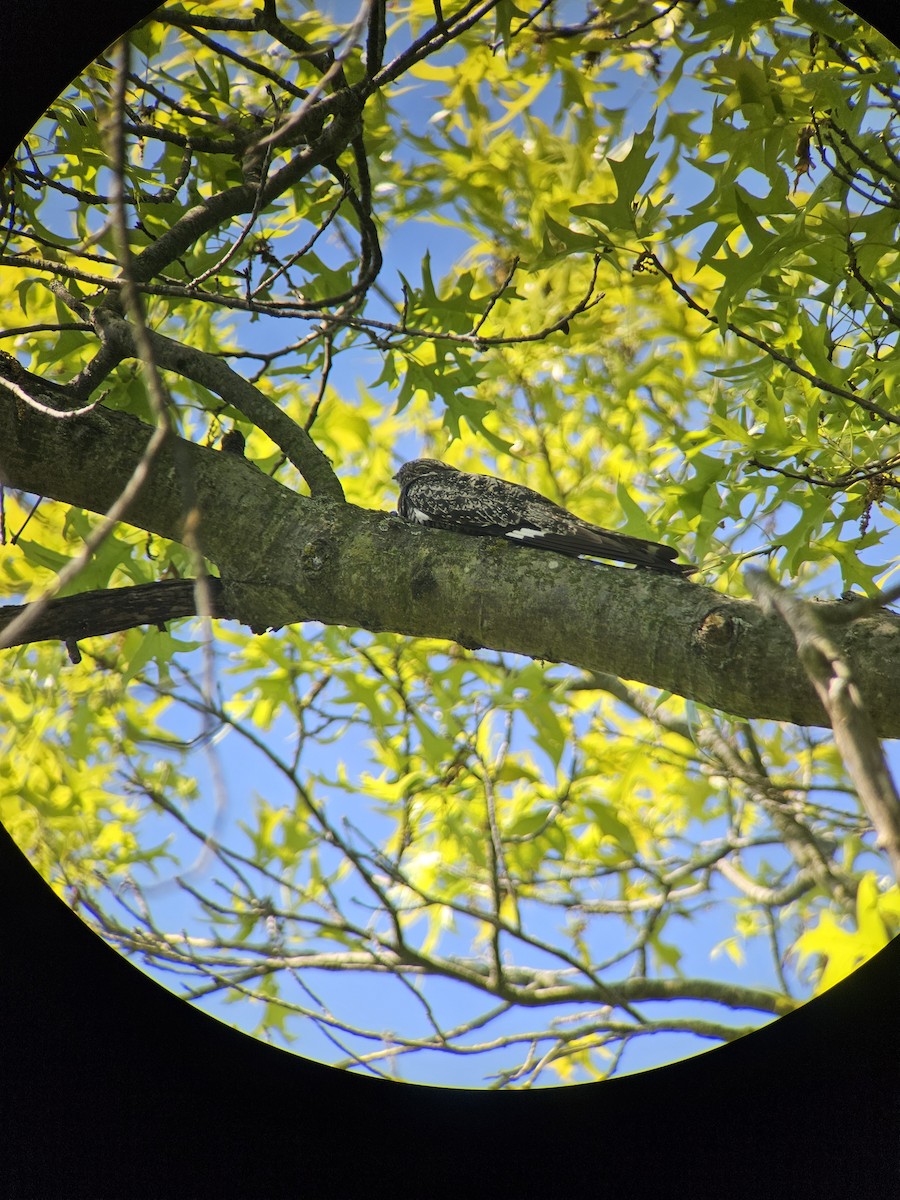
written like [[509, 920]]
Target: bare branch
[[854, 734]]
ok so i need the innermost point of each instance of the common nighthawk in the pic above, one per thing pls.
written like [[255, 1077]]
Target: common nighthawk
[[435, 494]]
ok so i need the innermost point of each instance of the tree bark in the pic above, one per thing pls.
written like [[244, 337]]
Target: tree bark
[[285, 558]]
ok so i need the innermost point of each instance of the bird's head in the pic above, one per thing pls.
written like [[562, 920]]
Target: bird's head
[[418, 468]]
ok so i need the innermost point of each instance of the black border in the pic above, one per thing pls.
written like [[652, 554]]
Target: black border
[[111, 1087]]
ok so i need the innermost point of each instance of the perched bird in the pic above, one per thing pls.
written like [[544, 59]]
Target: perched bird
[[435, 494]]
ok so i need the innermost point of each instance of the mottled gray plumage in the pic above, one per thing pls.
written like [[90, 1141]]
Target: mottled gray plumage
[[435, 494]]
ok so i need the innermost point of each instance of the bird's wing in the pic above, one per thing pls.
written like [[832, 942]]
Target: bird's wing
[[467, 503]]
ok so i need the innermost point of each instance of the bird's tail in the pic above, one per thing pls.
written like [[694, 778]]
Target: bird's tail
[[604, 543]]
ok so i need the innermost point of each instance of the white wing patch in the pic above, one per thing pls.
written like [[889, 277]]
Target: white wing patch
[[524, 534], [420, 518]]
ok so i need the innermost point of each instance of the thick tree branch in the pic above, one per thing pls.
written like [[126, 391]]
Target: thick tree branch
[[285, 558], [111, 610]]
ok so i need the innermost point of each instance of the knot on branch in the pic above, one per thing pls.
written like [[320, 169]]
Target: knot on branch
[[715, 632]]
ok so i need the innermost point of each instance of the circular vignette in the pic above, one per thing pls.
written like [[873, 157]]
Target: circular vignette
[[100, 1045]]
